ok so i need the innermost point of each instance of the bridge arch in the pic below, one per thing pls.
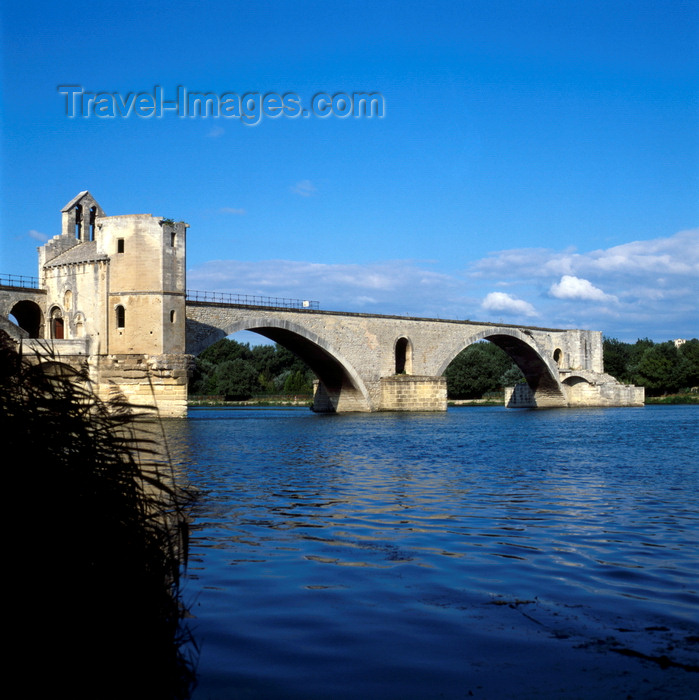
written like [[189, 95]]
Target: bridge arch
[[539, 370], [341, 386], [579, 385], [29, 317]]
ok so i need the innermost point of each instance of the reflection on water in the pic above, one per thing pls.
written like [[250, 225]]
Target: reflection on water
[[482, 551]]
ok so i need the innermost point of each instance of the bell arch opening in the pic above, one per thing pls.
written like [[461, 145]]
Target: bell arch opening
[[79, 221]]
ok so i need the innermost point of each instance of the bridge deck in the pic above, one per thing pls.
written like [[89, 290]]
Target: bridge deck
[[355, 314]]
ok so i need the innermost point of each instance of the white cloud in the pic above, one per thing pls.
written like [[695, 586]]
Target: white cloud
[[37, 235], [676, 255], [216, 132], [642, 288], [502, 302], [571, 287], [673, 255], [653, 293], [385, 287], [305, 188], [232, 210]]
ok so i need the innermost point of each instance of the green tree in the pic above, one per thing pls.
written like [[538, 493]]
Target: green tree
[[477, 370], [199, 380], [616, 358], [659, 369], [512, 376], [226, 349], [297, 383], [235, 379], [636, 352], [689, 357], [257, 370]]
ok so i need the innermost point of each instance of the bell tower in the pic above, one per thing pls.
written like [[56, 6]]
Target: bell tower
[[116, 286], [78, 217]]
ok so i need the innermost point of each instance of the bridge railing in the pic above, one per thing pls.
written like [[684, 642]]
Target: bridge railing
[[19, 281], [250, 300]]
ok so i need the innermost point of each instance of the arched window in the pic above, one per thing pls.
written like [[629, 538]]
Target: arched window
[[120, 317], [557, 356], [404, 356], [57, 328], [172, 316]]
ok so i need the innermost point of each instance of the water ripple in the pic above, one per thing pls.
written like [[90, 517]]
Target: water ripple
[[371, 553]]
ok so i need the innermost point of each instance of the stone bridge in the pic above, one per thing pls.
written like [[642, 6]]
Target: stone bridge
[[111, 299], [26, 304], [364, 362], [368, 362]]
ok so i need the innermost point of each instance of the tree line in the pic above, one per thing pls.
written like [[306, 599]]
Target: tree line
[[238, 371], [661, 368]]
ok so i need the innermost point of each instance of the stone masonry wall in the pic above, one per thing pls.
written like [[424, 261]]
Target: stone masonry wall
[[147, 380], [410, 393]]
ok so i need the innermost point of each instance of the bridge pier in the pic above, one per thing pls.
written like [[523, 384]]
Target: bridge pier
[[404, 392], [401, 392], [342, 398], [522, 396], [158, 381], [580, 391], [143, 381]]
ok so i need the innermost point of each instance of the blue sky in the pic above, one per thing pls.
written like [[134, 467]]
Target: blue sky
[[536, 162]]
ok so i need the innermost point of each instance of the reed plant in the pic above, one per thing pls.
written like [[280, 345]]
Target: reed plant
[[97, 540]]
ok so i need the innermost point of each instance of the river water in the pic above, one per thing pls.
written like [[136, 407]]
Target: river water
[[481, 552]]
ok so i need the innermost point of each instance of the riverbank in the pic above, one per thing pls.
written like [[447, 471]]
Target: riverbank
[[674, 399], [264, 401], [271, 401]]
